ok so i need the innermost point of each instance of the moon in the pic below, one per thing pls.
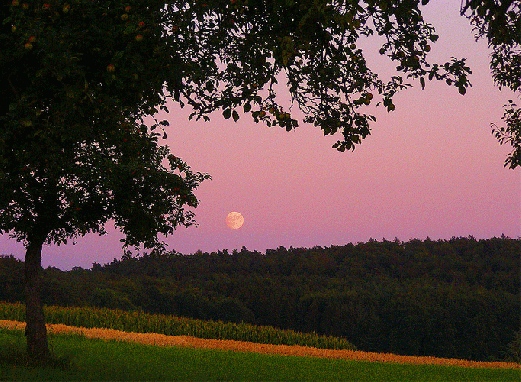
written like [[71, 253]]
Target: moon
[[234, 220]]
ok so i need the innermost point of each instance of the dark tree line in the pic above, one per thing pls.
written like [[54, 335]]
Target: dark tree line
[[450, 298]]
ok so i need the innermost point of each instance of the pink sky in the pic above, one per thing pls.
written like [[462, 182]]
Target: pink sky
[[431, 168]]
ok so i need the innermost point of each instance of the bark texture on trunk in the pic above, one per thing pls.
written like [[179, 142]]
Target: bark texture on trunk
[[35, 330]]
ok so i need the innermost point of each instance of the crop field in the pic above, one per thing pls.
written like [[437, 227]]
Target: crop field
[[103, 344], [139, 322]]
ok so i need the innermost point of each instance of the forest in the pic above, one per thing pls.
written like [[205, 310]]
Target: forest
[[457, 298]]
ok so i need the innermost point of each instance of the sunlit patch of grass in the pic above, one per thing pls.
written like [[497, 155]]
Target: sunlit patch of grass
[[114, 360]]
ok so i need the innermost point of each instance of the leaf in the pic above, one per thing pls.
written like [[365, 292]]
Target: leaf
[[422, 82], [247, 107], [235, 116], [227, 114]]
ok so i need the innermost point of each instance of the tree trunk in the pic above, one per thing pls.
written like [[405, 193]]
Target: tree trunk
[[35, 330]]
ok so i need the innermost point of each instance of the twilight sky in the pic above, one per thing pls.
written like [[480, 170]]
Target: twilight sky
[[431, 168]]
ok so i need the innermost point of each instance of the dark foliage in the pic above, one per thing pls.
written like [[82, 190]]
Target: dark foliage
[[451, 298]]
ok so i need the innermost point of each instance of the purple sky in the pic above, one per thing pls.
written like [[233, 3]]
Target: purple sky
[[431, 168]]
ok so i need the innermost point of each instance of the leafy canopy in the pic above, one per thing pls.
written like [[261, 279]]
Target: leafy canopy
[[75, 151], [81, 77], [500, 24]]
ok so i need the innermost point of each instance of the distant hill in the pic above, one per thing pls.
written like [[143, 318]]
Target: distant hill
[[448, 298]]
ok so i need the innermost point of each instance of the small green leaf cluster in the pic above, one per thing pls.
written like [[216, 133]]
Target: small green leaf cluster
[[510, 133]]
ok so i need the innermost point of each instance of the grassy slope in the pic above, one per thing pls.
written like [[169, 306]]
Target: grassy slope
[[111, 360]]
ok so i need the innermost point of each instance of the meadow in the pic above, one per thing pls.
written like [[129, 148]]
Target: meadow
[[81, 358], [128, 355]]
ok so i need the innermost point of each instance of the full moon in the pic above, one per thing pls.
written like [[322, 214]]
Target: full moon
[[234, 220]]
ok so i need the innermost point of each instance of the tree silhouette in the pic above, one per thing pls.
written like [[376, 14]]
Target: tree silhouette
[[78, 78], [500, 24]]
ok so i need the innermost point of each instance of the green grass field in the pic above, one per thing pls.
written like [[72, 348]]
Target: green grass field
[[87, 359]]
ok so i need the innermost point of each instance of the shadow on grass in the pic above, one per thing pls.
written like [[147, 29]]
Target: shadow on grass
[[16, 357], [14, 354]]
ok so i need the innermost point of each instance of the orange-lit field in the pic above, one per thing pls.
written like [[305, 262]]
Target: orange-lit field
[[163, 340]]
